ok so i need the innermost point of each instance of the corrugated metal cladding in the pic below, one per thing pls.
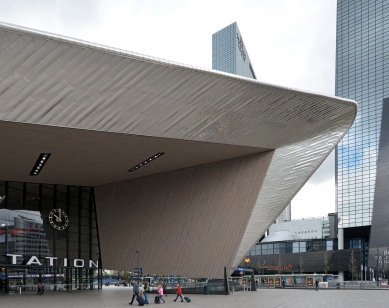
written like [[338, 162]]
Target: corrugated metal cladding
[[209, 210], [55, 81], [188, 222]]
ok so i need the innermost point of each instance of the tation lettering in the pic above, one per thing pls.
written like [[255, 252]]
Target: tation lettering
[[33, 260]]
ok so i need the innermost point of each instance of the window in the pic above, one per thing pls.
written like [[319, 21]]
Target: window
[[296, 247], [302, 247]]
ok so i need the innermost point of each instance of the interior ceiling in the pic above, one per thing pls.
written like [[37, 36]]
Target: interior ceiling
[[91, 158]]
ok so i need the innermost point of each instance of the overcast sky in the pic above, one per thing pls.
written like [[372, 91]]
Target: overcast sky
[[290, 43]]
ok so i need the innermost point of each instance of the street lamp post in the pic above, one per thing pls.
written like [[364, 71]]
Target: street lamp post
[[263, 267], [137, 252], [378, 270]]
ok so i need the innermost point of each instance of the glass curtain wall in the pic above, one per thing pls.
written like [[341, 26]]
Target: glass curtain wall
[[26, 231], [362, 74]]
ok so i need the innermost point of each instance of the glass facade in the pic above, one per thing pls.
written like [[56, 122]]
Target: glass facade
[[229, 53], [294, 247], [362, 74], [32, 250]]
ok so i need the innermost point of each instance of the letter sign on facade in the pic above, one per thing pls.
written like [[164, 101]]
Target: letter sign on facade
[[77, 262], [13, 257], [34, 260], [51, 260]]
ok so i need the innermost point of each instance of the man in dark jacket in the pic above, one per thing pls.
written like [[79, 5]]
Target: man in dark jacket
[[135, 290], [164, 287]]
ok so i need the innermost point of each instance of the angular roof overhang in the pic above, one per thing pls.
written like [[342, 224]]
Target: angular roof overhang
[[102, 110]]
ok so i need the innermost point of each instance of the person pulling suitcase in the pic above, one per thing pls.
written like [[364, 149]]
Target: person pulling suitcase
[[179, 293]]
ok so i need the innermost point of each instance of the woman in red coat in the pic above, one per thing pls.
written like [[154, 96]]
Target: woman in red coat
[[179, 293]]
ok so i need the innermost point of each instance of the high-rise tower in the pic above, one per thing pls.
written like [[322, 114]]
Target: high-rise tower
[[229, 54], [362, 74]]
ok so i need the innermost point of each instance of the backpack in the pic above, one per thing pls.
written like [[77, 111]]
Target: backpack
[[147, 289]]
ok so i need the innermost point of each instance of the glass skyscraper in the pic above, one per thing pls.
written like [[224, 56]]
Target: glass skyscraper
[[229, 53], [361, 74]]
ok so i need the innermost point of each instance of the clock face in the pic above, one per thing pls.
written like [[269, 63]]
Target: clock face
[[58, 219]]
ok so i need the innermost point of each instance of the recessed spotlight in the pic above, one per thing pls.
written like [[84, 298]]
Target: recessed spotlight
[[146, 161], [41, 161]]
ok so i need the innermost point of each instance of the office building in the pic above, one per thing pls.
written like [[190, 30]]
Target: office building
[[304, 228], [229, 53], [362, 74]]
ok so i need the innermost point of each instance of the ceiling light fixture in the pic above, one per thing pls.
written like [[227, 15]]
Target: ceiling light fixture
[[41, 161], [146, 161]]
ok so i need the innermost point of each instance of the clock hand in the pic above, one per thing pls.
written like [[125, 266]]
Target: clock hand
[[58, 219], [59, 210]]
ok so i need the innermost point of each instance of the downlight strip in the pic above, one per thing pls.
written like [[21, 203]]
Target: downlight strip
[[42, 160], [149, 160]]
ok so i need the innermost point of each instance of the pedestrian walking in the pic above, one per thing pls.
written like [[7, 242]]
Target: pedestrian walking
[[283, 283], [146, 292], [164, 286], [135, 290], [317, 285], [179, 293], [43, 288], [160, 294], [39, 289]]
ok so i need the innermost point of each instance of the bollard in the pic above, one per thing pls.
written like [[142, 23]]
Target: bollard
[[233, 289], [20, 289]]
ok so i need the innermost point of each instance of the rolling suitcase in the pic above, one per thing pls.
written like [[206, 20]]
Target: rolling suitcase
[[156, 300], [140, 300], [187, 299]]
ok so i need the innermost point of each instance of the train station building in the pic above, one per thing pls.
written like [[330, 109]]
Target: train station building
[[105, 153]]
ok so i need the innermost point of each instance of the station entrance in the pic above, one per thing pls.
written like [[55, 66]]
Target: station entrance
[[14, 279]]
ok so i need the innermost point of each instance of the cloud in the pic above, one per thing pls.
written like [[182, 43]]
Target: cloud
[[314, 200], [67, 17]]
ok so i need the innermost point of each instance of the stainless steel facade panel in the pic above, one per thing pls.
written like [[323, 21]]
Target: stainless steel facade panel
[[187, 222], [290, 169], [56, 81]]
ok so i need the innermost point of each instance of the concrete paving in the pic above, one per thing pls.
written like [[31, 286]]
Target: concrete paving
[[267, 298]]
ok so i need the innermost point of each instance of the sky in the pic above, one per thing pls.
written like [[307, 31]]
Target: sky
[[290, 43]]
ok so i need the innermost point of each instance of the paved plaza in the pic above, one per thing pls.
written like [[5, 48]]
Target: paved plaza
[[269, 298]]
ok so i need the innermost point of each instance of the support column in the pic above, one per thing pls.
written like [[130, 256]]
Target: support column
[[340, 247]]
